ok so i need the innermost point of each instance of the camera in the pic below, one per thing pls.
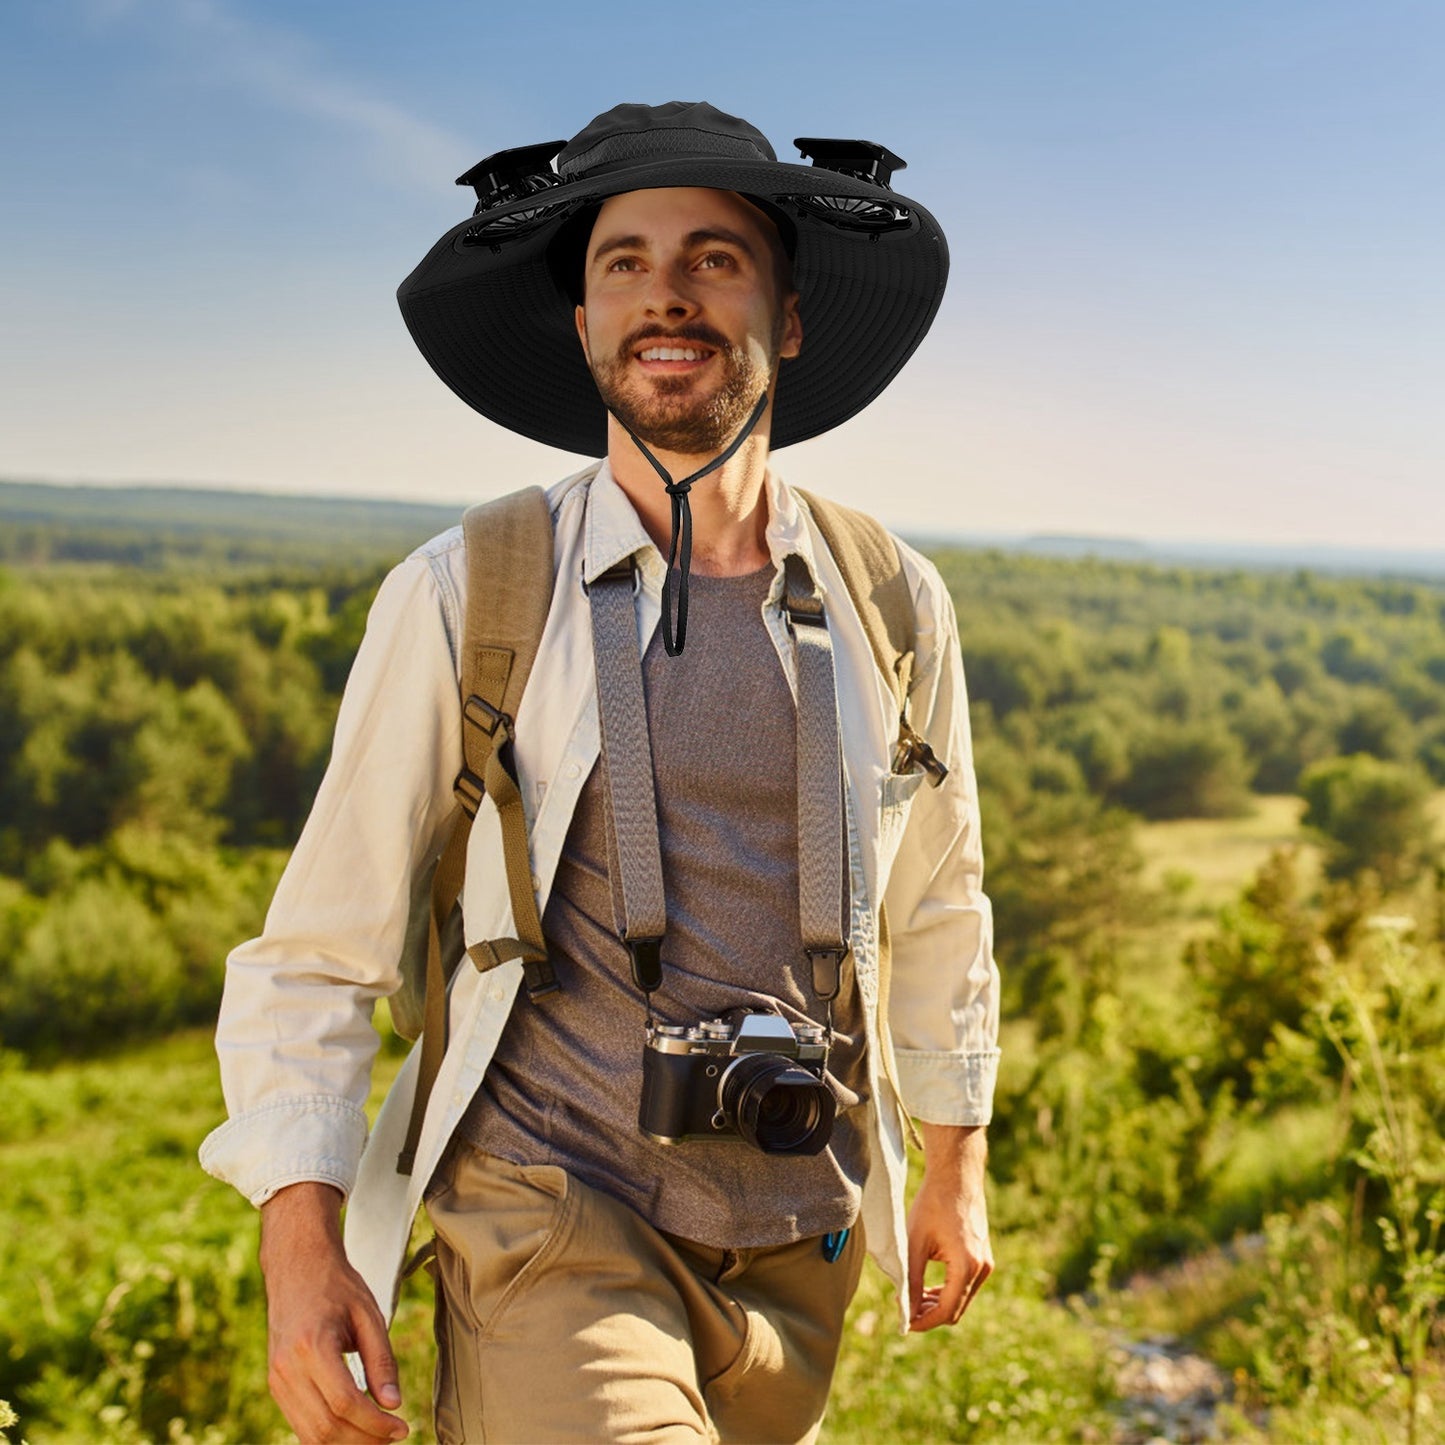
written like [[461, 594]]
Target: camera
[[758, 1078]]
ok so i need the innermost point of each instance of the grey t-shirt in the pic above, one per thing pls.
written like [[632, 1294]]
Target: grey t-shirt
[[564, 1085]]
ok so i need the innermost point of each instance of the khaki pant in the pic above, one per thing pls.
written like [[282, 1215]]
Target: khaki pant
[[562, 1315]]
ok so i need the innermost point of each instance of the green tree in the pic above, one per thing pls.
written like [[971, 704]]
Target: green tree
[[1195, 770], [1370, 814], [1376, 724]]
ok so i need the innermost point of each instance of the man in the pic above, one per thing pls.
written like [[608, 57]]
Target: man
[[673, 298]]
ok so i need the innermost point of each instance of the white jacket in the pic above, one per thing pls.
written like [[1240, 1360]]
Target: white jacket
[[295, 1038]]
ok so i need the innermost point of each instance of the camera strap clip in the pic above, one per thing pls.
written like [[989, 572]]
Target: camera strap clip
[[827, 971], [646, 962]]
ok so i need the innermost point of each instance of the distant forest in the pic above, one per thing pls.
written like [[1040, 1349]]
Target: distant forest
[[152, 528], [171, 664]]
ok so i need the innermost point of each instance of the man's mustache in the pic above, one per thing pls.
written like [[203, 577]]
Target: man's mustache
[[701, 334]]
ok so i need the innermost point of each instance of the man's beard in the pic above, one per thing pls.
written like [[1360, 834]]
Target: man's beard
[[664, 411]]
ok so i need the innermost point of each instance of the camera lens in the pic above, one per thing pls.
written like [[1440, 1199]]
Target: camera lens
[[777, 1106]]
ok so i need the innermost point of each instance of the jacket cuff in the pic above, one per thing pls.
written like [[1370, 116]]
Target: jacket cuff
[[316, 1137], [948, 1088]]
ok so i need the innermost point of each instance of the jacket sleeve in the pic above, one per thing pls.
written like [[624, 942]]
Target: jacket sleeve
[[294, 1038], [944, 996]]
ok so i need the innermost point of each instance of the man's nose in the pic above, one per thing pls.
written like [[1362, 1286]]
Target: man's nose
[[670, 294]]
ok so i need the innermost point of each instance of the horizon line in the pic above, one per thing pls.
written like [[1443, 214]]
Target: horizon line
[[1433, 553]]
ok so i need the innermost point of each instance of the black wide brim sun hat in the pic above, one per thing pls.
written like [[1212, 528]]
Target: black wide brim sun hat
[[490, 308]]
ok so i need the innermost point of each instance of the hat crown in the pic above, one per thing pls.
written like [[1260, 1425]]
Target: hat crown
[[627, 134]]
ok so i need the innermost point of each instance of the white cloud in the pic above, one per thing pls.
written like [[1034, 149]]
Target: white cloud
[[285, 70]]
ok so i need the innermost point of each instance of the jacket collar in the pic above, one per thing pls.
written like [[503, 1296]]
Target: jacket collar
[[614, 531]]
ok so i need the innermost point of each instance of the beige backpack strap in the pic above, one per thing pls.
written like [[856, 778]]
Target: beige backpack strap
[[509, 591], [867, 556], [868, 559]]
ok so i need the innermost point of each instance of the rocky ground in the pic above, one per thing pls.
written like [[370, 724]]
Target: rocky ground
[[1167, 1394]]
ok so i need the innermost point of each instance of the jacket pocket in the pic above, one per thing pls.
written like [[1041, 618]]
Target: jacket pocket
[[897, 798]]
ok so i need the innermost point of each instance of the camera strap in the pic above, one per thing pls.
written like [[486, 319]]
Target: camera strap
[[639, 906], [823, 872], [633, 843]]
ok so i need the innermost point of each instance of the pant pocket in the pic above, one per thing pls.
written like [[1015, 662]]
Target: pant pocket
[[496, 1228]]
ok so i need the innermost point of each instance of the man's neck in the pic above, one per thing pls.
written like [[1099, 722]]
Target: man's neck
[[729, 506]]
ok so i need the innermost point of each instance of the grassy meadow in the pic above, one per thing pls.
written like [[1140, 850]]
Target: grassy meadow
[[1212, 801]]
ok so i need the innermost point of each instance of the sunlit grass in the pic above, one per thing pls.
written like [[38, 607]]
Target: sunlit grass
[[1204, 860], [1017, 1367], [112, 1226]]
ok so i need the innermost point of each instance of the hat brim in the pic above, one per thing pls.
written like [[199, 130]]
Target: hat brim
[[486, 310]]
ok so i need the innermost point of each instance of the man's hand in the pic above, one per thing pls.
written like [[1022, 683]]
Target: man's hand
[[318, 1308], [948, 1222]]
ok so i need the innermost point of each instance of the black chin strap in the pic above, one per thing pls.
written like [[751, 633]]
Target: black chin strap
[[682, 528]]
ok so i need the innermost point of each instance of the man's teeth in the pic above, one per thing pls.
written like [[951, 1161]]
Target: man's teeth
[[672, 353]]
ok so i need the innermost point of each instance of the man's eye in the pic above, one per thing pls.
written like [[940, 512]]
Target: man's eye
[[623, 263], [716, 258]]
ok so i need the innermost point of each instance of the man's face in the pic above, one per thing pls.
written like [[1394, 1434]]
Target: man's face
[[682, 322]]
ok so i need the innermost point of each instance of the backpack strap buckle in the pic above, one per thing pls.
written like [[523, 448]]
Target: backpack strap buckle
[[539, 977], [538, 974], [497, 727], [803, 610], [491, 720]]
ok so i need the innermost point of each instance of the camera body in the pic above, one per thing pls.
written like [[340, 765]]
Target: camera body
[[758, 1078]]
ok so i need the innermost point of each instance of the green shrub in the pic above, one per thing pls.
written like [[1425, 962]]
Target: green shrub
[[123, 941], [96, 966], [1306, 1339], [1258, 974], [1191, 770], [168, 1352], [1371, 814], [1098, 1162]]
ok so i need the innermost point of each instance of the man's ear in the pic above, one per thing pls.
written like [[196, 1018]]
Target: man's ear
[[579, 315], [792, 342]]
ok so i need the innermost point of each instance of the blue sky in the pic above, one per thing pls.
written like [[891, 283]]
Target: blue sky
[[1196, 289]]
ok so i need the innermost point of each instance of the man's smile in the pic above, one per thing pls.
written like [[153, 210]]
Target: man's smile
[[675, 359]]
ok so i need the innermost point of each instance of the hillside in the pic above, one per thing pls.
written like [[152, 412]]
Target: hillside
[[157, 527]]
